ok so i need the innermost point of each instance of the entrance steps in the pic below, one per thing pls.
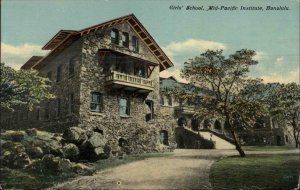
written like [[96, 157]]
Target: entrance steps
[[220, 140]]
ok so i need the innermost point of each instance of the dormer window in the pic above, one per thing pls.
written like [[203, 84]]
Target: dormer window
[[135, 43], [125, 39], [114, 35]]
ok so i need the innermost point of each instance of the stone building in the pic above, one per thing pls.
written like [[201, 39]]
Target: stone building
[[104, 77], [266, 131]]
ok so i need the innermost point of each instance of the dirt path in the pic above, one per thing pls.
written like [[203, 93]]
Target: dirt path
[[186, 169]]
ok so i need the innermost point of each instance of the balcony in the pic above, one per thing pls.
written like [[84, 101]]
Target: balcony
[[129, 82], [185, 109]]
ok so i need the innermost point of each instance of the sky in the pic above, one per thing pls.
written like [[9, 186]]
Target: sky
[[27, 25]]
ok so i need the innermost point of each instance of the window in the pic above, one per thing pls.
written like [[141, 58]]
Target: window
[[140, 70], [114, 35], [125, 39], [58, 107], [58, 73], [169, 100], [135, 43], [163, 137], [96, 102], [71, 67], [124, 106], [71, 103], [150, 110], [47, 106], [162, 101]]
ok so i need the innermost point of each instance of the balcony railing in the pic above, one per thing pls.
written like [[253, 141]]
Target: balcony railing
[[129, 80], [185, 108]]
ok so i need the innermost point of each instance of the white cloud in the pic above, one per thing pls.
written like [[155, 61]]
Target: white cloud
[[175, 73], [179, 52], [279, 61], [260, 55], [193, 45], [16, 56], [292, 76]]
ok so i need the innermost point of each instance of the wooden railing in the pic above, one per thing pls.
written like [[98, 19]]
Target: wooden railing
[[129, 80]]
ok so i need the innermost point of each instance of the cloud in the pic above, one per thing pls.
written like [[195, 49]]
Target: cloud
[[193, 45], [16, 56], [292, 76], [279, 61], [175, 73], [179, 52], [260, 55]]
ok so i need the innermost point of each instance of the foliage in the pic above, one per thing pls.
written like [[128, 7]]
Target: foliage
[[222, 88], [284, 104], [22, 87]]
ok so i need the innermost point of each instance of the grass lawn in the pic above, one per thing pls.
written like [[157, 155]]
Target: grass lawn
[[268, 148], [256, 172], [25, 179]]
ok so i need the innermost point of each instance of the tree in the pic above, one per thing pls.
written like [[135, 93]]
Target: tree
[[23, 87], [285, 104], [225, 89]]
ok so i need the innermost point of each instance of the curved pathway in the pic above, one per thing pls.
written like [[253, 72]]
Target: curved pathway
[[185, 169]]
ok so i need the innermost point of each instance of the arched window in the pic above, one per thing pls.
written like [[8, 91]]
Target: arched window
[[182, 122], [217, 125], [206, 124], [122, 142], [226, 125], [195, 123]]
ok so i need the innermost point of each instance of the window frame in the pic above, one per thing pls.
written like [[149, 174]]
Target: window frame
[[135, 43], [99, 103], [162, 100], [127, 110], [125, 39], [114, 40]]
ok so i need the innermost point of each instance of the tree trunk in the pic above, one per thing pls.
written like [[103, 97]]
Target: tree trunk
[[295, 133], [238, 146]]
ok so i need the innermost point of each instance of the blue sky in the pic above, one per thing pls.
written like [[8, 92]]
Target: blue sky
[[27, 25]]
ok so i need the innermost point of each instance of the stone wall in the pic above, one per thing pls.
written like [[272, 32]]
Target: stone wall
[[137, 134], [23, 118]]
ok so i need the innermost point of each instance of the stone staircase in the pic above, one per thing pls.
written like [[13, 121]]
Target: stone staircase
[[220, 140]]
